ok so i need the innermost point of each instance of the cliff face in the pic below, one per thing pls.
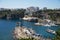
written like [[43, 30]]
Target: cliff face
[[12, 13], [21, 32], [58, 21]]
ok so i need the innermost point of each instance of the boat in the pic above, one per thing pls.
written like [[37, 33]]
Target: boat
[[51, 31], [31, 19], [51, 24], [37, 23], [28, 18], [46, 25], [42, 24]]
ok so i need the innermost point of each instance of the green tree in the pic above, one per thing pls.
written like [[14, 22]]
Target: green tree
[[57, 37]]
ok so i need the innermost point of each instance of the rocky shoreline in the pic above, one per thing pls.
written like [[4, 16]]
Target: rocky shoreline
[[23, 32]]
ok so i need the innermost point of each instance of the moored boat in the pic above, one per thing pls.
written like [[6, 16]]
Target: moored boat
[[51, 31]]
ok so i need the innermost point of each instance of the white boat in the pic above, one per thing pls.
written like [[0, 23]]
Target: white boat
[[41, 24], [51, 31], [28, 18], [37, 23], [52, 24], [47, 25]]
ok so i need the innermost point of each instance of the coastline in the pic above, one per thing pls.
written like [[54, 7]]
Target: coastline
[[18, 35]]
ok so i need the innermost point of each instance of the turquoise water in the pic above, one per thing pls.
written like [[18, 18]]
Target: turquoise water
[[7, 26]]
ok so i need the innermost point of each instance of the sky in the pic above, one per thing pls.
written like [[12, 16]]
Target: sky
[[29, 3]]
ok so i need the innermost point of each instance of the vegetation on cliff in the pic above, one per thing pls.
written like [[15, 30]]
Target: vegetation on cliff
[[13, 13], [57, 37], [27, 39], [17, 13]]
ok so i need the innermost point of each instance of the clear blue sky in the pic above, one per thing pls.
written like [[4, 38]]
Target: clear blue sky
[[28, 3]]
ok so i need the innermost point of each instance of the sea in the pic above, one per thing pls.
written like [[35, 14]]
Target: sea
[[7, 27]]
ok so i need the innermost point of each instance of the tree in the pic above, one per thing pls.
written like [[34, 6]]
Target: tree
[[57, 37]]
